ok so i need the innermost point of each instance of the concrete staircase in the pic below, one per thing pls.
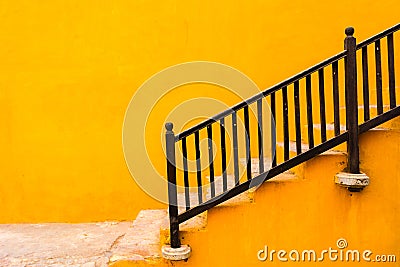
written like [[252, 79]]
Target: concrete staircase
[[299, 207]]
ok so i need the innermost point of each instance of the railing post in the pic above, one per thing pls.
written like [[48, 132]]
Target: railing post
[[351, 101], [172, 191]]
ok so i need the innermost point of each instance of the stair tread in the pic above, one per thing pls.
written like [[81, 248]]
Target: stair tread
[[245, 197], [193, 197], [142, 240], [385, 106], [305, 147], [331, 127], [284, 177], [194, 224]]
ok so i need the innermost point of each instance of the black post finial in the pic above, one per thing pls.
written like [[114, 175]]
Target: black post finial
[[169, 126], [349, 31]]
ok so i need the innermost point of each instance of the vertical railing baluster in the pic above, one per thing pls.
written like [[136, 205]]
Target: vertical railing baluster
[[351, 101], [211, 159], [273, 130], [285, 114], [260, 137], [247, 138], [392, 83], [297, 116], [186, 173], [223, 156], [235, 148], [322, 115], [335, 86], [364, 62], [198, 166], [378, 66], [310, 123], [172, 190]]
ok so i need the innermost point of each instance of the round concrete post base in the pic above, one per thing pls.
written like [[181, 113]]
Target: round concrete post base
[[354, 182], [176, 254]]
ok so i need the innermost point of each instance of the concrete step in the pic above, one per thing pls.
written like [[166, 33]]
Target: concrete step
[[243, 198], [249, 195], [330, 133], [140, 244], [287, 176], [373, 112], [255, 170], [193, 225], [299, 169], [193, 198], [393, 124]]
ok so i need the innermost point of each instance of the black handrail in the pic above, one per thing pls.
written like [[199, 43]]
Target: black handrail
[[378, 36], [353, 129]]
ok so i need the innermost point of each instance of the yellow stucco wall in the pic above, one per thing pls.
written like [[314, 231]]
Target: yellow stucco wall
[[68, 70]]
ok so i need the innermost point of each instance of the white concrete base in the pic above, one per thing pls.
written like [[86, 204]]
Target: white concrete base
[[176, 254], [352, 181]]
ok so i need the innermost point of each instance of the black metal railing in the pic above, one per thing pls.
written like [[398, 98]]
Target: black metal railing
[[299, 102]]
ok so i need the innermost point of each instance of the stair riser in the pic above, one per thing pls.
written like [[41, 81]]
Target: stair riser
[[330, 133], [373, 112], [393, 124]]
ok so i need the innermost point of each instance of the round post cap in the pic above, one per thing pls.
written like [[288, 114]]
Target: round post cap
[[169, 126], [349, 31]]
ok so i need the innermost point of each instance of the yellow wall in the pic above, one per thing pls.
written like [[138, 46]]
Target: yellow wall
[[69, 69]]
